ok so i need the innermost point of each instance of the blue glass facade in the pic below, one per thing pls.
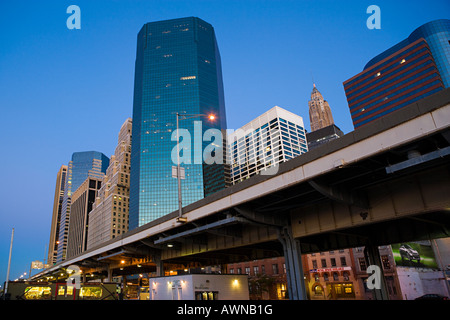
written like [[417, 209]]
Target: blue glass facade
[[437, 35], [407, 72], [178, 69], [82, 165]]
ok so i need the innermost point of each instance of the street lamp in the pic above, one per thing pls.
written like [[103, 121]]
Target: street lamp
[[184, 117]]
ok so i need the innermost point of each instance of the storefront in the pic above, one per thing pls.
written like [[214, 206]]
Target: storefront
[[199, 287], [24, 290], [331, 284]]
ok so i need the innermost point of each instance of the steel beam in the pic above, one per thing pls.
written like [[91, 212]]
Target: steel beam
[[440, 153], [294, 268], [339, 194], [200, 229]]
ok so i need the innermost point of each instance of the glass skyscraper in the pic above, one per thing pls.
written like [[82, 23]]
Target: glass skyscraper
[[409, 71], [85, 164], [178, 69]]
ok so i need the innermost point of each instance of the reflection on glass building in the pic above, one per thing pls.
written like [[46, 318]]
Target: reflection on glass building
[[407, 72], [178, 70], [85, 164]]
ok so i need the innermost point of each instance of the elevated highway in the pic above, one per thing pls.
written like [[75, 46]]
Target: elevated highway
[[386, 182]]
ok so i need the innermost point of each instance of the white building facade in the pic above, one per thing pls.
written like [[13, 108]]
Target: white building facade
[[109, 215], [259, 146], [199, 287]]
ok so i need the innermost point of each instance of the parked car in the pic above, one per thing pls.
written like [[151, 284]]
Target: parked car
[[432, 296], [406, 252]]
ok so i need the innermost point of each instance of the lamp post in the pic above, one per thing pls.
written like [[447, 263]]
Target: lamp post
[[184, 117], [9, 265]]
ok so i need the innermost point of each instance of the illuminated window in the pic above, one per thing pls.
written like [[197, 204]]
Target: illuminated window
[[205, 295], [348, 290], [91, 293], [37, 293], [318, 290], [188, 78], [61, 290]]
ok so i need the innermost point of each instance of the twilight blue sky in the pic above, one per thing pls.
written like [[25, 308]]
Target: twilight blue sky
[[65, 90]]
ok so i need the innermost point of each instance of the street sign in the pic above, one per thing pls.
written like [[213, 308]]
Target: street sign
[[37, 265]]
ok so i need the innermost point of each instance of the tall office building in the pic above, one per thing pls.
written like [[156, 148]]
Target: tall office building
[[82, 165], [109, 215], [323, 128], [82, 200], [409, 71], [259, 146], [178, 70], [56, 216], [319, 111]]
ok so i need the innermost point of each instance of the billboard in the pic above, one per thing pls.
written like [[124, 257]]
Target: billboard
[[414, 254], [37, 265]]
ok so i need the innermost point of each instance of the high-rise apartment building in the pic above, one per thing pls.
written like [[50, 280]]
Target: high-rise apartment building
[[56, 216], [82, 165], [409, 71], [177, 70], [259, 146], [82, 201], [109, 215]]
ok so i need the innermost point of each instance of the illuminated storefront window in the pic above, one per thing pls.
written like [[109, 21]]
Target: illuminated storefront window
[[63, 291], [343, 290], [206, 295], [91, 293], [37, 293], [281, 291]]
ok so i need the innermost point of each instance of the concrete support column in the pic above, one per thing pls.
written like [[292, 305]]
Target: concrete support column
[[159, 265], [372, 256], [294, 268], [109, 277]]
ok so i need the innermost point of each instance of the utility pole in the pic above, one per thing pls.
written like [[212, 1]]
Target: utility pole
[[9, 265]]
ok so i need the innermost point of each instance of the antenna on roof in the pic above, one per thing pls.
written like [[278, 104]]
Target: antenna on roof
[[312, 78]]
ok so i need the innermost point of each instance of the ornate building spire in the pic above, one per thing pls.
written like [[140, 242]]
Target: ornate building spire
[[319, 111]]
